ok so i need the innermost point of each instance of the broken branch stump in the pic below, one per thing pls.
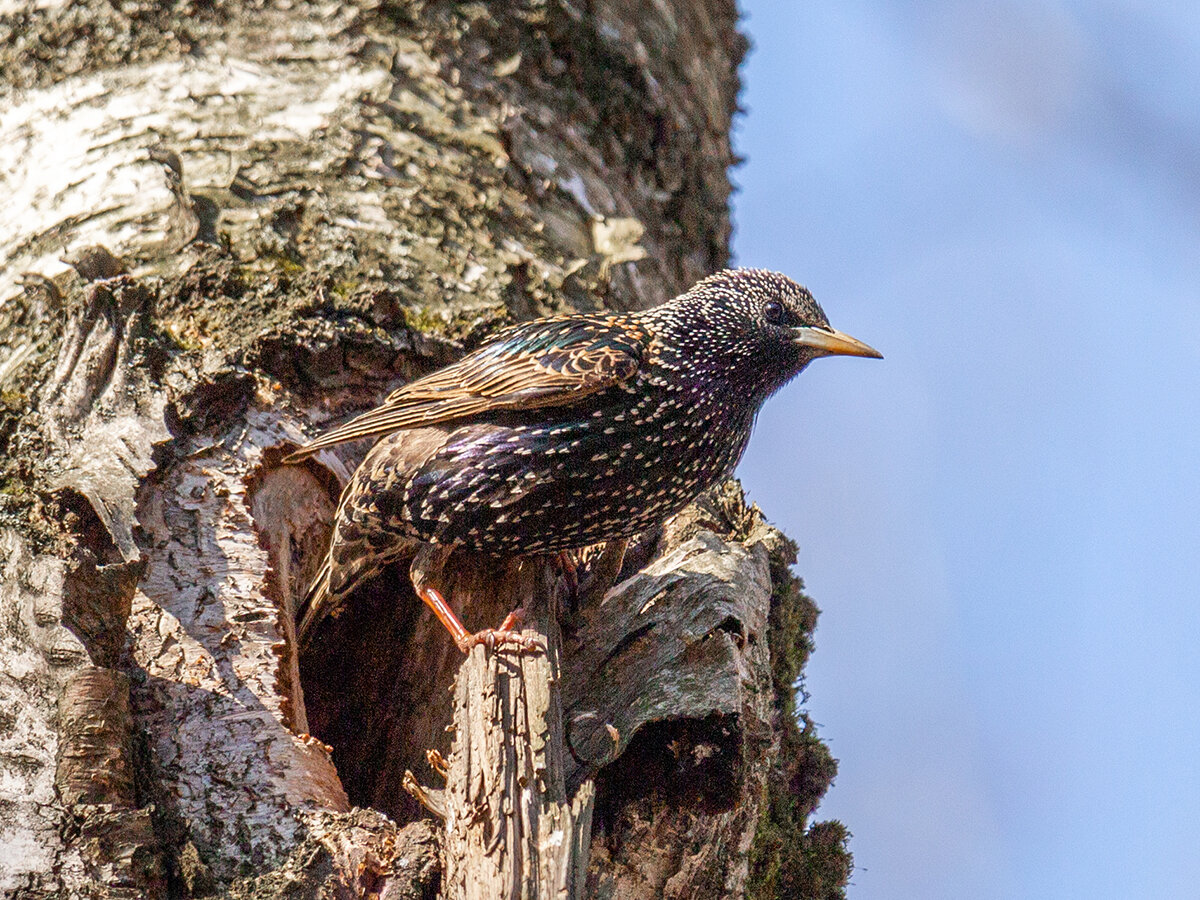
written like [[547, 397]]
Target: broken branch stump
[[511, 829]]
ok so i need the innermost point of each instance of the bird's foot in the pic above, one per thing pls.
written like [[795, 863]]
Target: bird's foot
[[507, 633], [490, 637]]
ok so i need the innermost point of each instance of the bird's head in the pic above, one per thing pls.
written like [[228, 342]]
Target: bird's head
[[758, 327]]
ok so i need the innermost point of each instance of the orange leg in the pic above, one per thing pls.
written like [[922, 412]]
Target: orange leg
[[489, 637]]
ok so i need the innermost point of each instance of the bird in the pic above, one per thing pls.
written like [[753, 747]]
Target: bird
[[563, 432]]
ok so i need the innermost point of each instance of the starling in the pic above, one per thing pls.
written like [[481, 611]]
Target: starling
[[563, 432]]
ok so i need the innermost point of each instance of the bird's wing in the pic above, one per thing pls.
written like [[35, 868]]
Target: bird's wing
[[549, 362]]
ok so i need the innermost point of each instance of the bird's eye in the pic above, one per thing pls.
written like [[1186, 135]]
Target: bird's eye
[[773, 312]]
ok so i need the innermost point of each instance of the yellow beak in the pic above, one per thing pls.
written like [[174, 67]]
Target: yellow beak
[[832, 342]]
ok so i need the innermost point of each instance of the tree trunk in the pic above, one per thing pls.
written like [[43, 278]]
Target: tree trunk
[[225, 226]]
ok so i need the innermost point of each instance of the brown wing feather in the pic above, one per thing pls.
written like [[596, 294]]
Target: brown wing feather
[[553, 362]]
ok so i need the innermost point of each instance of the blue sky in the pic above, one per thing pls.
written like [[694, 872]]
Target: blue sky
[[1000, 520]]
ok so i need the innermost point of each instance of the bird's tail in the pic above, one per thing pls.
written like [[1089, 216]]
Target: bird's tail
[[316, 605], [355, 566]]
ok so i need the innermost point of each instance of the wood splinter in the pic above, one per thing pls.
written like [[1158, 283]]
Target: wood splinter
[[432, 799], [437, 762]]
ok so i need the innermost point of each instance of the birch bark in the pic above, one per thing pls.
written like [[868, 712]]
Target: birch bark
[[224, 225]]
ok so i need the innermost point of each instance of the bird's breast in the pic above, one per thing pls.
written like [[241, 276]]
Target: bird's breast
[[613, 468]]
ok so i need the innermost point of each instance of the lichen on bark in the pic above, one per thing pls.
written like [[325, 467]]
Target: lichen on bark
[[791, 857]]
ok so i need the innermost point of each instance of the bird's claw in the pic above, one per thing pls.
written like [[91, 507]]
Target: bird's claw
[[506, 634], [498, 637]]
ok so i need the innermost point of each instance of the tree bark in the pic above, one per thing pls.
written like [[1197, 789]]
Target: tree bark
[[223, 226]]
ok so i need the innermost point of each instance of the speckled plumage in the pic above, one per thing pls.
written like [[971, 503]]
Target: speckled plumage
[[563, 432]]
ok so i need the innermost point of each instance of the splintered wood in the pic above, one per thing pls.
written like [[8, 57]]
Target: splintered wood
[[511, 830]]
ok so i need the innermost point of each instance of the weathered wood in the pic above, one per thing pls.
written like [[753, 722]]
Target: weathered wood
[[666, 695], [512, 831], [681, 639]]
